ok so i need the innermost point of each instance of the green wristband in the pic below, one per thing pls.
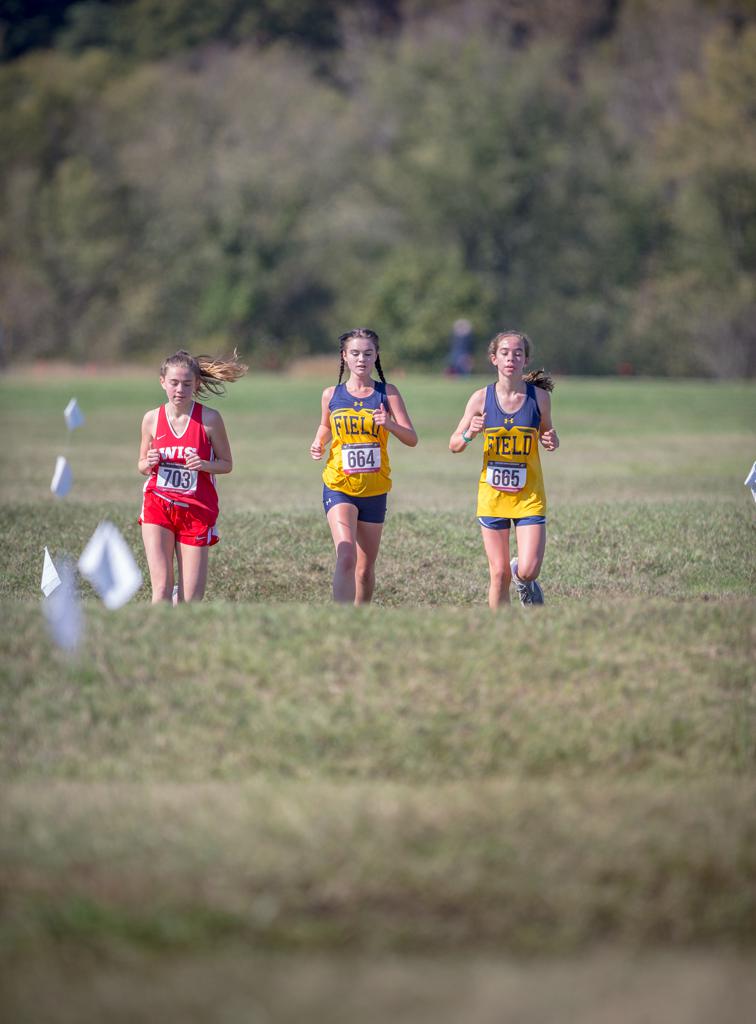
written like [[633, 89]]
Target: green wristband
[[465, 438]]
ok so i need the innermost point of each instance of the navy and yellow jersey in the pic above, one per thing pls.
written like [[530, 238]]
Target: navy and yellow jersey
[[358, 462], [511, 482]]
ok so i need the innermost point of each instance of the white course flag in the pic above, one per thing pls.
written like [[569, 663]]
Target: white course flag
[[74, 415], [62, 478], [50, 578], [62, 609], [750, 481], [108, 564]]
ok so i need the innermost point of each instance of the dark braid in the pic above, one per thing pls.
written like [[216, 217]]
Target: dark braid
[[342, 366], [379, 368]]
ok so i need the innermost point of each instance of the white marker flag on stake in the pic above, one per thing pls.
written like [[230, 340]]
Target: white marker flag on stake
[[74, 415], [108, 564], [62, 610], [62, 478], [750, 481], [50, 578]]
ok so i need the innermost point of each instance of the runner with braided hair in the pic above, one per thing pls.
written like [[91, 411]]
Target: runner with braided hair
[[513, 414], [184, 447], [357, 418]]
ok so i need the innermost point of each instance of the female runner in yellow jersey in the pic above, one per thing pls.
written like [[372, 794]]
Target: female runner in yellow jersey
[[513, 415], [357, 417]]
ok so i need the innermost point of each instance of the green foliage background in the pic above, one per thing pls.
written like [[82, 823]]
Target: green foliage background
[[267, 174]]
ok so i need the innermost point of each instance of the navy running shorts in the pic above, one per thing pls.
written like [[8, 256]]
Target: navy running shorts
[[369, 510], [496, 523]]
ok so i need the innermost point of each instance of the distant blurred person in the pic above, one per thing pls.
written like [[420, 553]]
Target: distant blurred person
[[184, 447], [356, 419], [460, 349], [513, 414]]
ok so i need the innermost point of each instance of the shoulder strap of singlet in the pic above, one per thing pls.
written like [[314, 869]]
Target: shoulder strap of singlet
[[380, 387], [490, 405], [531, 389], [198, 415]]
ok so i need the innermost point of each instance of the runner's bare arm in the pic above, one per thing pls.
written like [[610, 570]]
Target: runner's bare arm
[[548, 434], [323, 433], [149, 457], [393, 416], [472, 422]]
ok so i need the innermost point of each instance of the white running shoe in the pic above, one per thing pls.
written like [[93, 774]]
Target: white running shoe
[[528, 591]]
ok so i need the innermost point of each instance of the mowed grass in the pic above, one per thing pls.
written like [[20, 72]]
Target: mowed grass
[[271, 781], [648, 441], [646, 492]]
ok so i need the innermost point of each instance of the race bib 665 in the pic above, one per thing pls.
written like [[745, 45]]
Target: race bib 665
[[507, 476]]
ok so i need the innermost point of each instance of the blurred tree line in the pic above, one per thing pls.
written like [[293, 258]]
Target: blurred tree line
[[269, 173]]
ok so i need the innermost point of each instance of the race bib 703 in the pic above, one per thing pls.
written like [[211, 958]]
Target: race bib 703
[[172, 476]]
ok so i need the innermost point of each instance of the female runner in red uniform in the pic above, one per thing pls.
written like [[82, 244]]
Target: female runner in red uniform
[[184, 447]]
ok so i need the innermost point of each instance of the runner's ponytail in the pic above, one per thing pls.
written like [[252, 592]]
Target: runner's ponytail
[[212, 373]]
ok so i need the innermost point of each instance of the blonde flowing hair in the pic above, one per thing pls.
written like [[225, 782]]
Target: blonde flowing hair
[[212, 373]]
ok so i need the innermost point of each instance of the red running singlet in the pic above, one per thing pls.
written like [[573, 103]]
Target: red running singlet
[[171, 479]]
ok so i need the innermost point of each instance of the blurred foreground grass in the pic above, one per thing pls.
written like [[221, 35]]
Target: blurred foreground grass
[[231, 771]]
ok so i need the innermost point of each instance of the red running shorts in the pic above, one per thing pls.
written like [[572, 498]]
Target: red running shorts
[[191, 524]]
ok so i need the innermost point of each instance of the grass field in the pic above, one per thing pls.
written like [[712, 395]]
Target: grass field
[[415, 811]]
